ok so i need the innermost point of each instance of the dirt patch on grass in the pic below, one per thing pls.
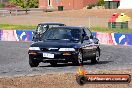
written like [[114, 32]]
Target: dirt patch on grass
[[66, 80], [83, 17]]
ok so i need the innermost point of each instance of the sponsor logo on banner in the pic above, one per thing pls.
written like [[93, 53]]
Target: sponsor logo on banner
[[122, 39], [7, 35], [129, 38], [104, 38], [83, 77], [23, 35]]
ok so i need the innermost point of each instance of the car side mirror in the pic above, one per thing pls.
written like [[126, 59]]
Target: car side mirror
[[96, 40], [86, 38], [91, 37]]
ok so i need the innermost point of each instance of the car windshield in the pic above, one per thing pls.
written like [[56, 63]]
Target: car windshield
[[62, 34]]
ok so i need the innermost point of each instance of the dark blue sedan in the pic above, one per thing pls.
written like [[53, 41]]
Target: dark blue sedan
[[65, 44]]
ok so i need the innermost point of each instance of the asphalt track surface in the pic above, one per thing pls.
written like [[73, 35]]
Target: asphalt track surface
[[14, 60]]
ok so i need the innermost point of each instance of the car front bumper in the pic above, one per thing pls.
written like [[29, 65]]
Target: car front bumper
[[58, 56]]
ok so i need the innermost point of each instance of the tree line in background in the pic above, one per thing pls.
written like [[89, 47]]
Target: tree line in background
[[100, 3], [34, 3], [25, 3]]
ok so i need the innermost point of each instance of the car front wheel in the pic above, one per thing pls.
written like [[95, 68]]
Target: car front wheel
[[33, 63], [79, 59], [96, 58]]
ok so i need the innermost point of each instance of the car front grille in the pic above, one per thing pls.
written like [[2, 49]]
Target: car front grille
[[49, 49]]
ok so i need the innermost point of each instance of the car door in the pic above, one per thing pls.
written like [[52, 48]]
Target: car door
[[88, 43]]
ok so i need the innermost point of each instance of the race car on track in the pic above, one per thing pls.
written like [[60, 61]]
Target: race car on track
[[42, 27], [65, 44]]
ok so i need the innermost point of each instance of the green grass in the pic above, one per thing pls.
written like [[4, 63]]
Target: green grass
[[16, 27], [93, 29], [108, 30]]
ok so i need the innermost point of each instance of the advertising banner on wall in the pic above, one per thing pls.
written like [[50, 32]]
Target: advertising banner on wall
[[94, 34], [114, 38], [23, 35], [104, 38], [7, 35], [0, 34], [122, 39], [16, 35], [129, 36]]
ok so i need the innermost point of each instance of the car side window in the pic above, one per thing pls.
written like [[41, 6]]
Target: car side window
[[88, 33]]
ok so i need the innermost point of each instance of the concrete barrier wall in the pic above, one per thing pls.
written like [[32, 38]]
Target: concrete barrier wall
[[114, 38], [0, 34], [16, 35], [105, 38]]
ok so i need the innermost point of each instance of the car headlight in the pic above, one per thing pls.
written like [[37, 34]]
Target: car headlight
[[66, 49], [34, 48]]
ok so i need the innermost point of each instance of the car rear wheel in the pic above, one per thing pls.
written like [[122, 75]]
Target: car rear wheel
[[96, 58], [79, 60], [53, 63]]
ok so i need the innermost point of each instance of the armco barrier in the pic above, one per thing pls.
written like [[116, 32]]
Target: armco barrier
[[105, 38]]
